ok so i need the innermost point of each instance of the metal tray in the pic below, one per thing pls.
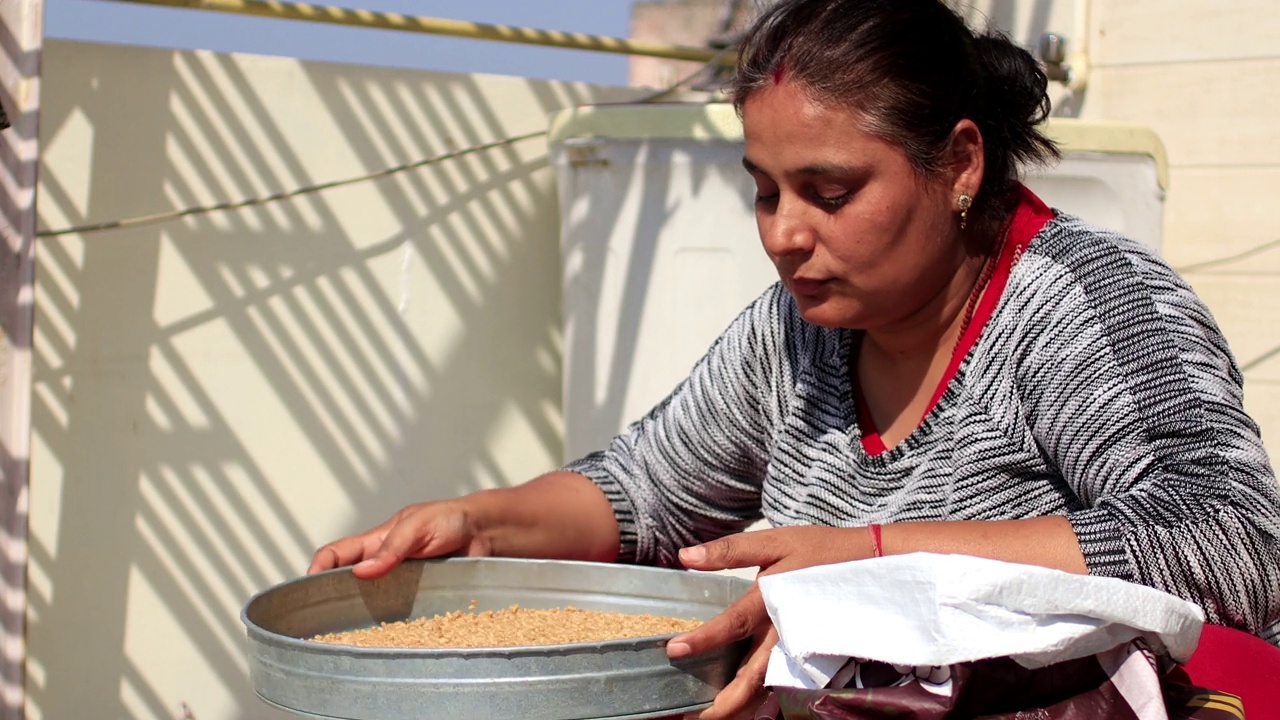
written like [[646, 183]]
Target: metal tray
[[619, 679]]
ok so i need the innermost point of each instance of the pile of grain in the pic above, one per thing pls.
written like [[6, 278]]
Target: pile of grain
[[515, 626]]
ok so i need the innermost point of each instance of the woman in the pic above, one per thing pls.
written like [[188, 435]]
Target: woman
[[947, 365]]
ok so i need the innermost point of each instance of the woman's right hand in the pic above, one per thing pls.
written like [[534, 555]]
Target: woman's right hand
[[424, 530], [558, 515]]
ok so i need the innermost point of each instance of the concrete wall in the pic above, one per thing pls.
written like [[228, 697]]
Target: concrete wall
[[684, 22], [214, 397]]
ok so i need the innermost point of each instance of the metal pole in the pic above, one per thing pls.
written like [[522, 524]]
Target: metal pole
[[441, 26]]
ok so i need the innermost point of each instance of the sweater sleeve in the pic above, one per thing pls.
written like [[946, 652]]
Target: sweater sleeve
[[691, 470], [1132, 393]]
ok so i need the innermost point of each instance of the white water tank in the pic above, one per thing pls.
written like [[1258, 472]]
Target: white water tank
[[660, 250]]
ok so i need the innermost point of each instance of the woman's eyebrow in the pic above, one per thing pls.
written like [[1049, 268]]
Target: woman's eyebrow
[[832, 170], [811, 170]]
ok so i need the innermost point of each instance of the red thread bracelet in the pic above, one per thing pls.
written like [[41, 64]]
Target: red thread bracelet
[[876, 548]]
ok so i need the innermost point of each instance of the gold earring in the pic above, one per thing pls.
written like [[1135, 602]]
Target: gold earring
[[964, 202]]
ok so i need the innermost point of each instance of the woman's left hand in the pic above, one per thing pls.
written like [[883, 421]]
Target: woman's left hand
[[773, 551]]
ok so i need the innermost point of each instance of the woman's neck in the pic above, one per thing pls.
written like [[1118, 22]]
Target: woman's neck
[[935, 327], [897, 369]]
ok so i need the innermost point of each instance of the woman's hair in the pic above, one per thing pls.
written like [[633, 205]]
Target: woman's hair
[[912, 69]]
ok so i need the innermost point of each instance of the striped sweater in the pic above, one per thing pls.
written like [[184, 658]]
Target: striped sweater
[[1100, 389]]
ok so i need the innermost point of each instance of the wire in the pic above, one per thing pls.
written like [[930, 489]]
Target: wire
[[1246, 367], [1256, 250], [309, 189], [708, 65], [305, 190]]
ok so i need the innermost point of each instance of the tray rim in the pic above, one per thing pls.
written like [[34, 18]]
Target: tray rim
[[355, 651], [650, 715]]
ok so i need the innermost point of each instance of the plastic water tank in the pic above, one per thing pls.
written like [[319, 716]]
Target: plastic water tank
[[660, 250]]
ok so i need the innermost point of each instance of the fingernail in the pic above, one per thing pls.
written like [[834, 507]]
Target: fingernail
[[678, 650], [364, 564], [697, 553]]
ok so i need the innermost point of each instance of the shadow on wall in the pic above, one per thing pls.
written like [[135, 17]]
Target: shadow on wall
[[661, 238], [215, 397], [19, 36]]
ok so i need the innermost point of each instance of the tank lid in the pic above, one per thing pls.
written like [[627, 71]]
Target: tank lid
[[719, 121]]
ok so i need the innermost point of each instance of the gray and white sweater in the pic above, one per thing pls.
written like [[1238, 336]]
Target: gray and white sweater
[[1100, 389]]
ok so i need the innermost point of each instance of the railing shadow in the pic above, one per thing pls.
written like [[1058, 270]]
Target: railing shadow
[[214, 397], [19, 64]]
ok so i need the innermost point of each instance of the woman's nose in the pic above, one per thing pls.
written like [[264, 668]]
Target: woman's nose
[[786, 232]]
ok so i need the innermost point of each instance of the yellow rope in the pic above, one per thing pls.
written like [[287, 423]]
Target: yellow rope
[[441, 26]]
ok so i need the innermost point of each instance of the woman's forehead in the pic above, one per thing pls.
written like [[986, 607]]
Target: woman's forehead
[[786, 130], [792, 108]]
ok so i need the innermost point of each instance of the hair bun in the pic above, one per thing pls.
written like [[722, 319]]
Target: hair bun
[[1012, 97]]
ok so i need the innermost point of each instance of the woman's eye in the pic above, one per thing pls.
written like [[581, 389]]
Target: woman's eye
[[766, 193], [831, 198]]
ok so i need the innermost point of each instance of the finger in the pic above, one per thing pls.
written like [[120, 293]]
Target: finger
[[326, 558], [743, 550], [393, 549], [415, 534], [741, 697], [742, 619], [347, 551]]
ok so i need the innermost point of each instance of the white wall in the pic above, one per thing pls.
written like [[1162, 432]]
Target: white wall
[[215, 397]]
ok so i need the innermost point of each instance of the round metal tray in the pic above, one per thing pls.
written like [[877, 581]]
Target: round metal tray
[[618, 679]]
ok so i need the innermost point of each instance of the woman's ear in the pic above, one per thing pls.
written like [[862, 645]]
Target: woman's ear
[[965, 162]]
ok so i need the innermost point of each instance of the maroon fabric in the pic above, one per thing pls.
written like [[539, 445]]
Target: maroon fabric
[[995, 689], [1236, 662]]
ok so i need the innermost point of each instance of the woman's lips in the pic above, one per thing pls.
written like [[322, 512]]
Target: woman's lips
[[804, 286]]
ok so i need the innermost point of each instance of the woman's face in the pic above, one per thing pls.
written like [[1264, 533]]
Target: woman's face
[[858, 236]]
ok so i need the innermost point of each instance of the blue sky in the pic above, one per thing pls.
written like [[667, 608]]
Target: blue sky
[[106, 21]]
